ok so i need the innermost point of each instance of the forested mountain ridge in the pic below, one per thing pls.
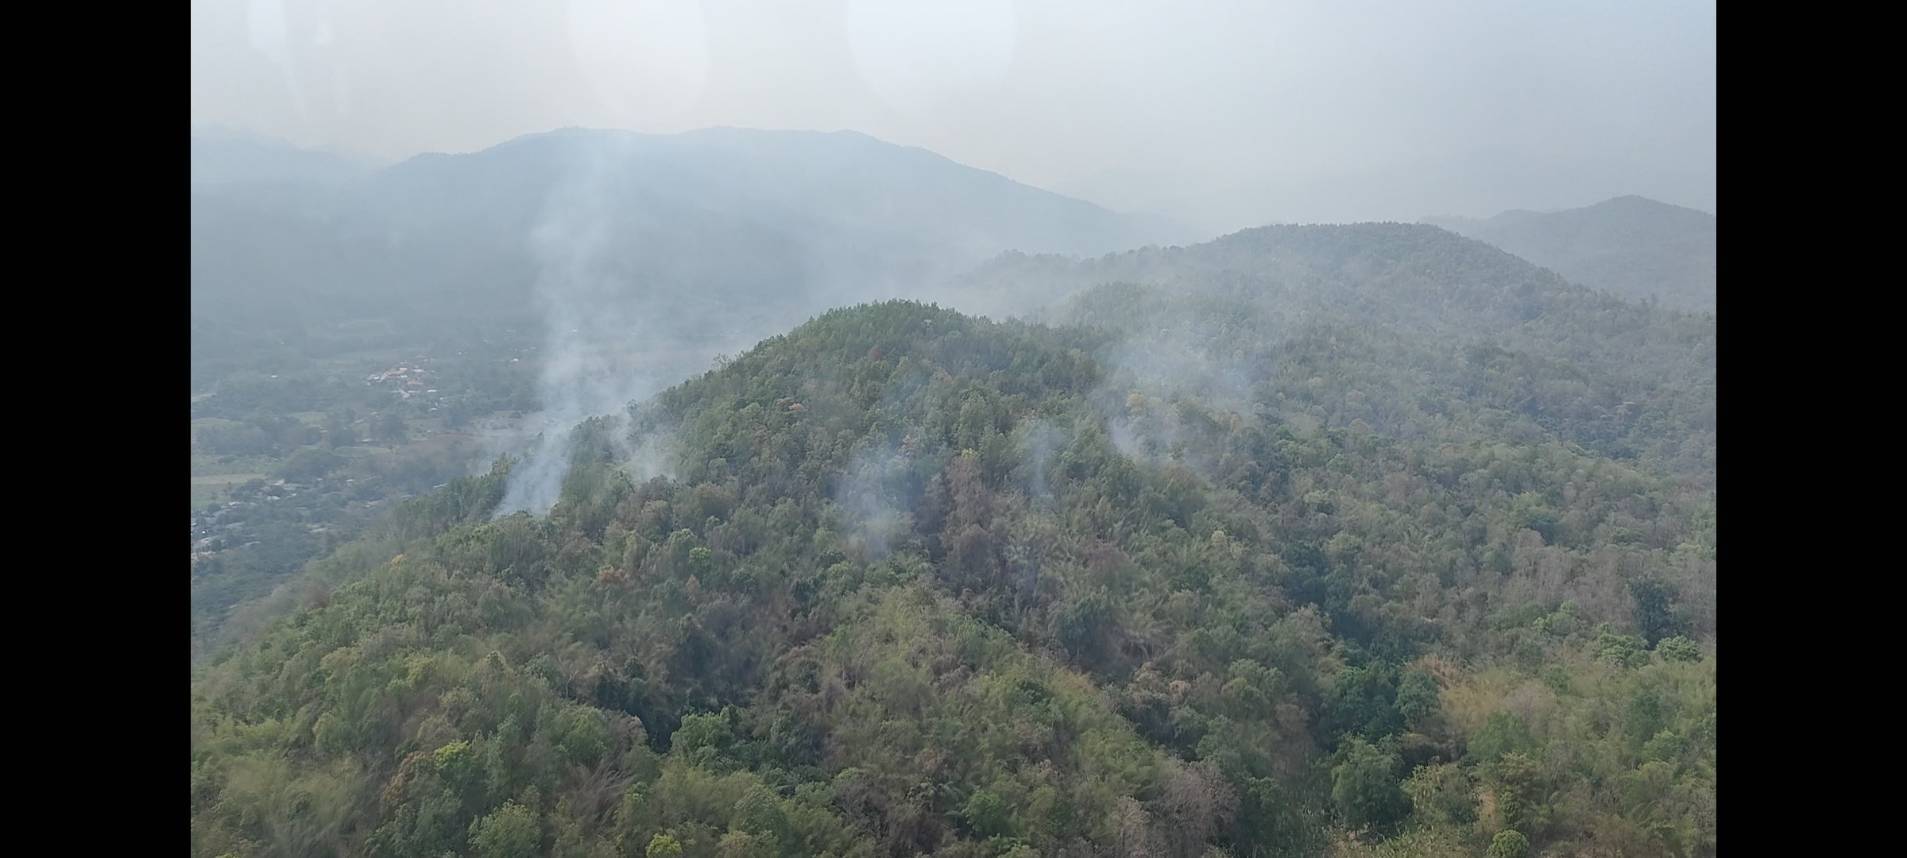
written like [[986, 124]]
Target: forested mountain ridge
[[1631, 246], [918, 583], [1397, 324]]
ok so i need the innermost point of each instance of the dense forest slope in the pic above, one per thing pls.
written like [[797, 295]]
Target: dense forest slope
[[1631, 246], [918, 583]]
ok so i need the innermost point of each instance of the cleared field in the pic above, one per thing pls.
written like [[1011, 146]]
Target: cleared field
[[212, 488], [204, 465]]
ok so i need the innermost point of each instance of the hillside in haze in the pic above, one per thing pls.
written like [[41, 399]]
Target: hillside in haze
[[224, 157], [361, 333], [737, 228], [1361, 540], [1103, 450], [1431, 321], [1630, 246]]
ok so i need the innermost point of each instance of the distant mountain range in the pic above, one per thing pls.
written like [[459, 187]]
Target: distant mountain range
[[727, 225], [1631, 246], [223, 158]]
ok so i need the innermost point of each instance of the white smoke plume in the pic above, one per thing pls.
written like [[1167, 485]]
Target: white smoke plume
[[1039, 441], [601, 349], [867, 502]]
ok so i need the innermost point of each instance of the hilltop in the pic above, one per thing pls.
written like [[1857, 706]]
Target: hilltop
[[902, 581], [1630, 246]]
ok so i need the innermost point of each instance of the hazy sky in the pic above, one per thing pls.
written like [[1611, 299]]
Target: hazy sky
[[1224, 113]]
